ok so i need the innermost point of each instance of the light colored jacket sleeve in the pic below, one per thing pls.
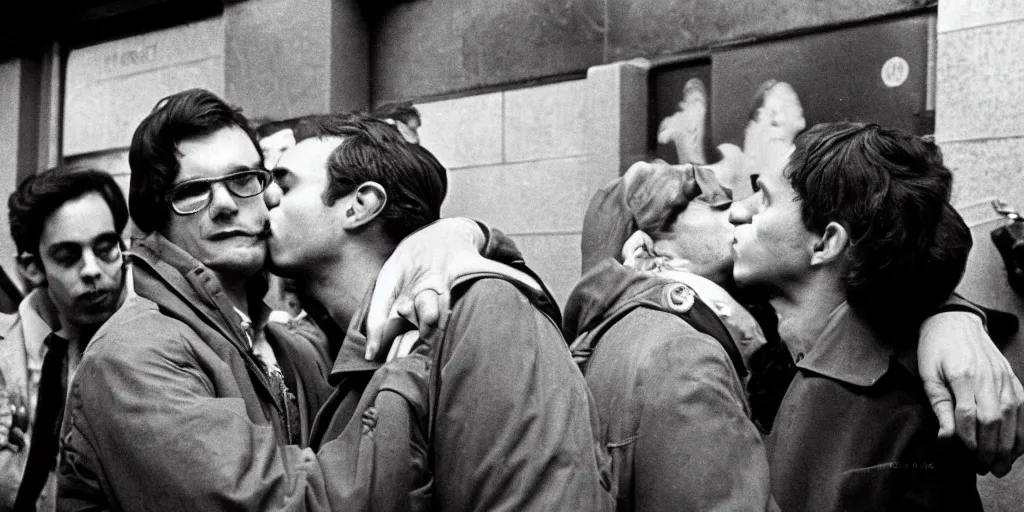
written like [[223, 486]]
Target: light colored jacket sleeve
[[697, 449]]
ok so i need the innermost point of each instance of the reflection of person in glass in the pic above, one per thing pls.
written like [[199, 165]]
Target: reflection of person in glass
[[775, 119]]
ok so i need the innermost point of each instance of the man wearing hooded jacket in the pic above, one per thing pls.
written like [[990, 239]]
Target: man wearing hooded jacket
[[187, 399]]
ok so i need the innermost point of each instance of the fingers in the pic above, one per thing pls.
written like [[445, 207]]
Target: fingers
[[1003, 461], [407, 342], [942, 405], [1018, 444], [1012, 409], [988, 415], [965, 409], [393, 352], [385, 293], [427, 310]]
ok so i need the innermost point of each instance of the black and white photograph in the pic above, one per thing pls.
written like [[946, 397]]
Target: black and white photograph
[[512, 255]]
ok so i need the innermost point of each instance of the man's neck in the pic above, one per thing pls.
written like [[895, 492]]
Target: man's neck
[[73, 332], [804, 310], [236, 290], [341, 285]]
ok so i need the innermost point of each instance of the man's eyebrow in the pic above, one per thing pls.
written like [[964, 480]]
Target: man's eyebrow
[[65, 244], [62, 246]]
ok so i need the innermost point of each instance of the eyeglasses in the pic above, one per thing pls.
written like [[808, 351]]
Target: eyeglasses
[[192, 196]]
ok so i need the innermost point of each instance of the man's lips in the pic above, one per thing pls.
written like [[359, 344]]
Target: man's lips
[[94, 297], [233, 233]]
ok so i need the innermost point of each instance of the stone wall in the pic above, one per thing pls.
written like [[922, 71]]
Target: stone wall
[[527, 161], [111, 87], [980, 126], [434, 47]]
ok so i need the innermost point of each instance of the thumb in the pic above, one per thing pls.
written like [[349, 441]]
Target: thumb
[[385, 293]]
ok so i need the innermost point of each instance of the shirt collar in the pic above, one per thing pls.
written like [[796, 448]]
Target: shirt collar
[[38, 322], [848, 350]]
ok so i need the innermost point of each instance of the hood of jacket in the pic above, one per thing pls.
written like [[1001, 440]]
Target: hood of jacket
[[606, 289]]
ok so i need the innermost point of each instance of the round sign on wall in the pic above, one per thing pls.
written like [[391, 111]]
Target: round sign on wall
[[895, 72]]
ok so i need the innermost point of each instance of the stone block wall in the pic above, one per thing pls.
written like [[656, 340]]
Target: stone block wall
[[979, 113], [979, 124], [527, 161]]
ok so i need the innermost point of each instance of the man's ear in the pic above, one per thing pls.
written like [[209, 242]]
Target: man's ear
[[32, 269], [831, 245], [365, 204]]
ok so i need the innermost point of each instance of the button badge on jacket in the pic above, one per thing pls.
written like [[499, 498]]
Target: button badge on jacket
[[679, 297]]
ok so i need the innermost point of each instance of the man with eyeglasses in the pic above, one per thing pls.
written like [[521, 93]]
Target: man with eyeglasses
[[66, 223], [188, 399]]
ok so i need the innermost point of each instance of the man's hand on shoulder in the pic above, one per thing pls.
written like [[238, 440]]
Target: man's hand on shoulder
[[972, 389], [415, 282]]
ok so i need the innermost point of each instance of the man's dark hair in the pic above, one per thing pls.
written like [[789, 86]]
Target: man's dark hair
[[266, 127], [153, 156], [40, 195], [372, 150], [402, 111], [890, 190]]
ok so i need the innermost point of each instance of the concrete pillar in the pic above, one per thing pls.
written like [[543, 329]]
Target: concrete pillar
[[288, 58], [617, 110]]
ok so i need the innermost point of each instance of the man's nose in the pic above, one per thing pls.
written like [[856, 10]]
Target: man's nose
[[272, 195], [743, 210], [221, 201], [90, 266]]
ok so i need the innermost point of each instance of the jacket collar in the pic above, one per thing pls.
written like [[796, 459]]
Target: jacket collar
[[352, 353], [601, 292], [849, 350], [172, 278]]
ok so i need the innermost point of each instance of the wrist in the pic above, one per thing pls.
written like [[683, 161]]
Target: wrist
[[475, 231]]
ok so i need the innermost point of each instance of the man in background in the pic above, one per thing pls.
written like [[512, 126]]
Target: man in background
[[66, 224], [402, 115]]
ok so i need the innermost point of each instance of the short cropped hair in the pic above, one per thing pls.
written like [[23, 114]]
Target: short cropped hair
[[402, 111], [372, 150], [153, 156], [890, 190], [267, 127], [40, 195]]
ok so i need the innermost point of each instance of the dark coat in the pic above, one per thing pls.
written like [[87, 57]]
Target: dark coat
[[168, 409], [855, 432], [672, 407]]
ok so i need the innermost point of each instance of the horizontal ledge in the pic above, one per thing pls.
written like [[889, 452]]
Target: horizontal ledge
[[984, 25]]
